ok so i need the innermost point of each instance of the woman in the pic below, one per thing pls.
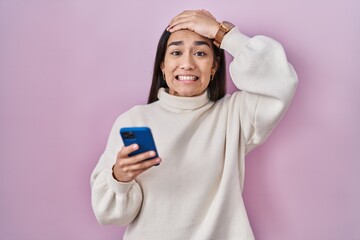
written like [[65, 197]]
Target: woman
[[202, 135]]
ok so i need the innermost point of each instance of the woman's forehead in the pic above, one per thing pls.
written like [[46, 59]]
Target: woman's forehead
[[186, 36]]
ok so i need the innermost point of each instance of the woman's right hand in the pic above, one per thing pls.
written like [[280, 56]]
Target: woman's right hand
[[200, 21], [128, 168]]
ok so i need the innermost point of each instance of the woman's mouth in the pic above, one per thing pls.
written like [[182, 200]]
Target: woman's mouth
[[186, 77]]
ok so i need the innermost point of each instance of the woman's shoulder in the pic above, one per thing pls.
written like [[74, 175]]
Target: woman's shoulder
[[143, 108], [136, 111]]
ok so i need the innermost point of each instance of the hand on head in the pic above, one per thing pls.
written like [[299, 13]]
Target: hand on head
[[199, 21]]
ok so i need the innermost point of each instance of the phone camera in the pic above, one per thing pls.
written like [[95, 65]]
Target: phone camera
[[128, 135]]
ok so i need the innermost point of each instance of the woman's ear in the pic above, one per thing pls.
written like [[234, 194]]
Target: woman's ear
[[215, 65], [162, 66]]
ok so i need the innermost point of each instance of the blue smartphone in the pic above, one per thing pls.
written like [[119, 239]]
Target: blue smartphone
[[142, 136]]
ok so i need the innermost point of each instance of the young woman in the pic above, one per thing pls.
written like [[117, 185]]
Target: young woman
[[202, 134]]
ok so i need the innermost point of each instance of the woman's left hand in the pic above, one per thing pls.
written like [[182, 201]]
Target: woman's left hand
[[199, 21]]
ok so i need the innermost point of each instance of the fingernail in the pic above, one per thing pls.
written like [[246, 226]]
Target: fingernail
[[135, 146], [158, 160], [152, 154]]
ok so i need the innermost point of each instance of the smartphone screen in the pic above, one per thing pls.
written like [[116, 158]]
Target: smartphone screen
[[141, 136]]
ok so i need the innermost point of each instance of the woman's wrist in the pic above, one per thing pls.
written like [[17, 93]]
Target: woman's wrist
[[116, 178], [224, 28], [113, 173]]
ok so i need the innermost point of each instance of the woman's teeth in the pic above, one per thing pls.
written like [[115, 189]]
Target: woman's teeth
[[186, 78]]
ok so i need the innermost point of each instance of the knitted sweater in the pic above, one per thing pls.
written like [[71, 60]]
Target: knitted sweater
[[196, 191]]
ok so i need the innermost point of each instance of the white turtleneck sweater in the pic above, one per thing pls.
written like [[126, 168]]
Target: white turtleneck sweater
[[196, 191]]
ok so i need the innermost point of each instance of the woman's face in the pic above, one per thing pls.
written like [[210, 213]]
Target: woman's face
[[188, 63]]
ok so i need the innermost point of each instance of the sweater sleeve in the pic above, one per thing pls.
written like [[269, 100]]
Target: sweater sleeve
[[113, 202], [267, 82]]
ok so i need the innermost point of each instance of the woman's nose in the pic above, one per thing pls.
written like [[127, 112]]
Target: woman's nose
[[187, 62]]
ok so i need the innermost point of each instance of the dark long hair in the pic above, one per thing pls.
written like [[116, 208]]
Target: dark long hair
[[217, 87]]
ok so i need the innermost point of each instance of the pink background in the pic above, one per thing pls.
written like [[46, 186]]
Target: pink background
[[69, 68]]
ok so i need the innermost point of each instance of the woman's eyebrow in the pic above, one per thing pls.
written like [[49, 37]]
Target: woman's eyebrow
[[196, 43], [176, 43]]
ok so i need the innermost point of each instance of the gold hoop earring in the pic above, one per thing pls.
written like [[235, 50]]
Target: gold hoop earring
[[211, 77], [164, 76]]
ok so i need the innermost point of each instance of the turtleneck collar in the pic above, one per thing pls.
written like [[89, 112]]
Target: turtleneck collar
[[182, 103]]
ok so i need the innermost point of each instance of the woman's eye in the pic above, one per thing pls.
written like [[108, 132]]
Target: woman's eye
[[175, 53], [200, 54]]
